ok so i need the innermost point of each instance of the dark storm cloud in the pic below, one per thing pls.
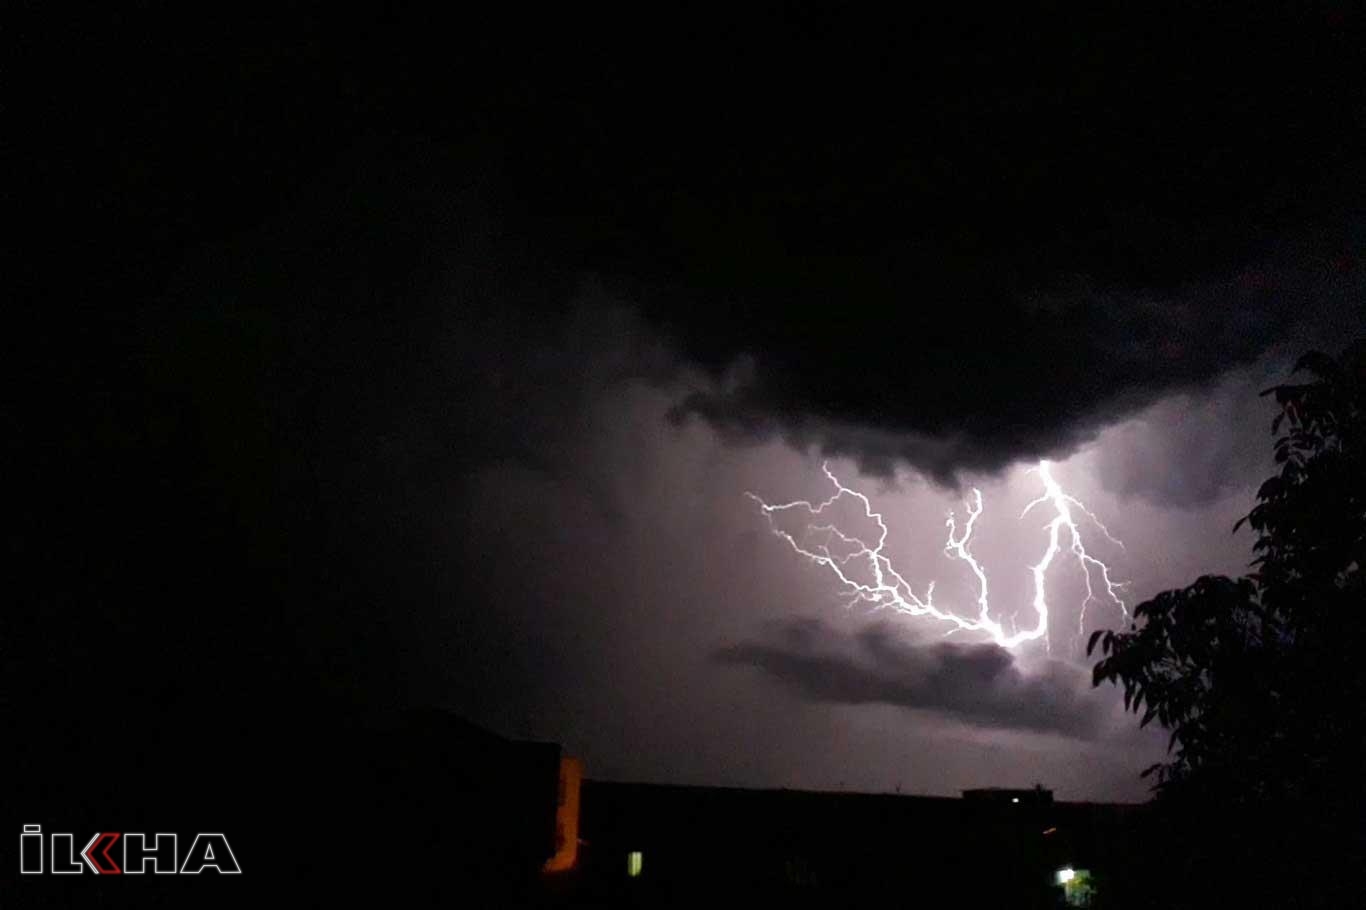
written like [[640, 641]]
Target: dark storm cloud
[[935, 240], [405, 322], [973, 379], [959, 259], [978, 684]]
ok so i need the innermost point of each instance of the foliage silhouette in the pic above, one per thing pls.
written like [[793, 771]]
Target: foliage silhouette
[[1233, 667], [1258, 679]]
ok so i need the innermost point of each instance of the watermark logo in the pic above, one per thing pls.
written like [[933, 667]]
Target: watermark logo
[[115, 853]]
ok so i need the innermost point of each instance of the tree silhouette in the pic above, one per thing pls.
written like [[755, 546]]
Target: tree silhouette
[[1259, 679]]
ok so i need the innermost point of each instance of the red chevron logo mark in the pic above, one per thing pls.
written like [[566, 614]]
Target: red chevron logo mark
[[108, 867]]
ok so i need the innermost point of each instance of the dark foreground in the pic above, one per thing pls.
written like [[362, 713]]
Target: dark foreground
[[423, 809]]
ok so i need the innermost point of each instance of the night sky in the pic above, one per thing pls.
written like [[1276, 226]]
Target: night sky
[[428, 361]]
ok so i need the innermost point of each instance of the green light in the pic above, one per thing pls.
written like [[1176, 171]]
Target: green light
[[633, 863]]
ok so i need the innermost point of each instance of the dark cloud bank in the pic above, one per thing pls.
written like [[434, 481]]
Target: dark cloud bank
[[932, 241], [977, 684]]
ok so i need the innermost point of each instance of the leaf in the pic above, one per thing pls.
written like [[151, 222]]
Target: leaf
[[1271, 489]]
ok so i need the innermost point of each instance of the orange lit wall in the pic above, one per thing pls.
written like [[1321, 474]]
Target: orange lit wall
[[567, 817]]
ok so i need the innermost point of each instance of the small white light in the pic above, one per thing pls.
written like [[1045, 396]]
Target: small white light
[[1014, 799], [1066, 874]]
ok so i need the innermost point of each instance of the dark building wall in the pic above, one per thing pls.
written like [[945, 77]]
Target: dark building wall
[[711, 842]]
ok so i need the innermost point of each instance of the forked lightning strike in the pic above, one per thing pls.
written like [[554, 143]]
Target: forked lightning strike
[[884, 587]]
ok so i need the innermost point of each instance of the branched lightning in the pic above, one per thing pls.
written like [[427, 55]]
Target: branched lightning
[[883, 587]]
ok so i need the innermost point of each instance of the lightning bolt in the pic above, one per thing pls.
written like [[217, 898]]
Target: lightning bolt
[[867, 573]]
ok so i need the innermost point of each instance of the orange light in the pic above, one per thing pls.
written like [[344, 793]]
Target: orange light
[[567, 817]]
